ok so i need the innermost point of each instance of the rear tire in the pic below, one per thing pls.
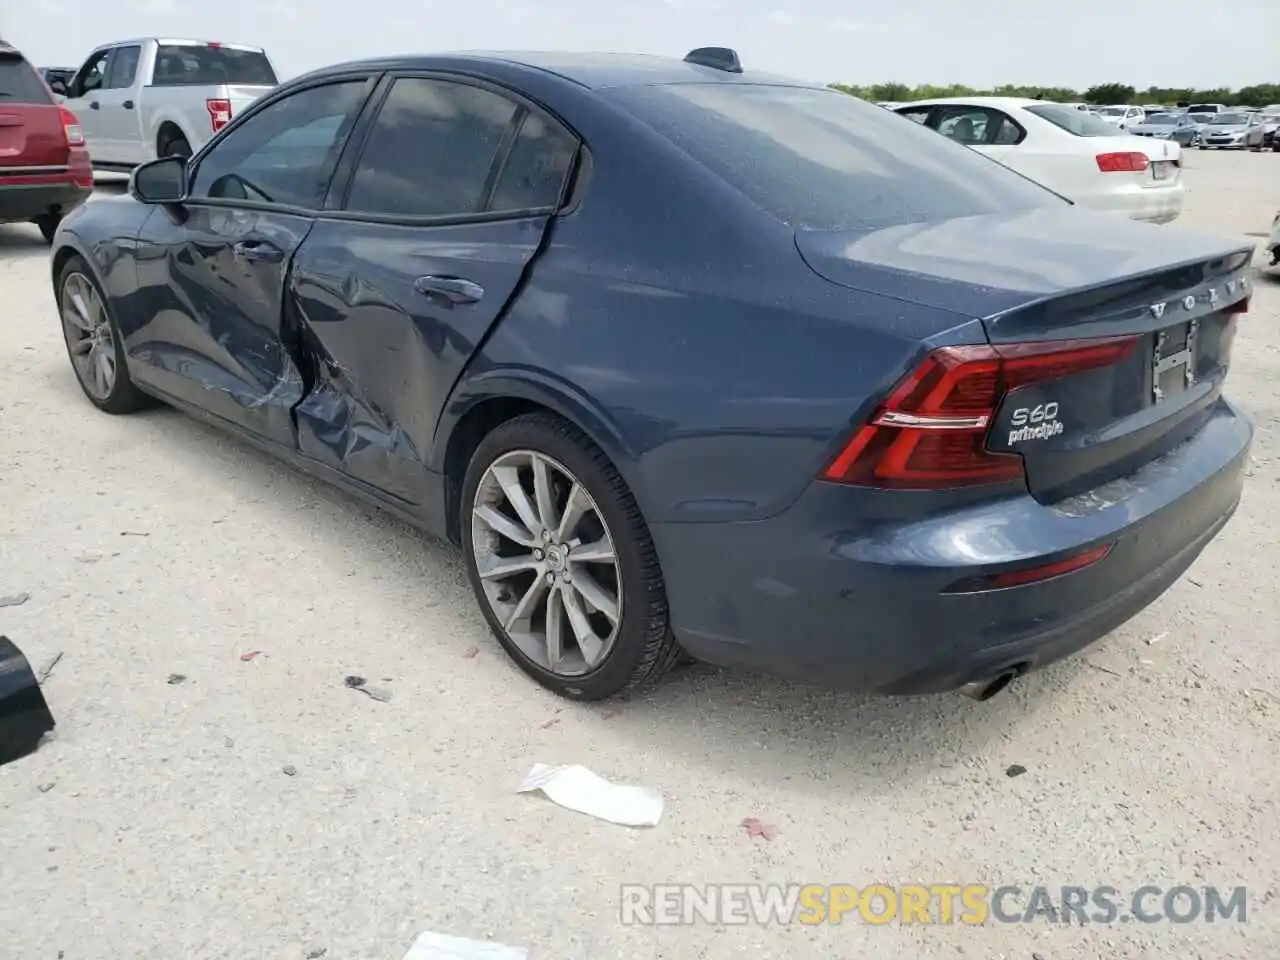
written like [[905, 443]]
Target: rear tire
[[82, 306], [552, 595], [48, 225], [174, 145]]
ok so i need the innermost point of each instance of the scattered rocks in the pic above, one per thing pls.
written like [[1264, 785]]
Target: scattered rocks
[[1015, 770]]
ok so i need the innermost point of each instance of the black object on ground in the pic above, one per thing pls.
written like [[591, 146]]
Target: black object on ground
[[24, 715]]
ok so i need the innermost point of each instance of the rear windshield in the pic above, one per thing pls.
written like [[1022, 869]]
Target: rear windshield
[[824, 160], [19, 83], [188, 65], [1203, 108], [1072, 121]]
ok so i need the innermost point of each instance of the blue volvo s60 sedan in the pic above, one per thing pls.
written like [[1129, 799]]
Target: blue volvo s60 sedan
[[688, 360]]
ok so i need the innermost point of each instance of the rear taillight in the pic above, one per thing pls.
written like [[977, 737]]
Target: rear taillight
[[1132, 162], [71, 128], [931, 432], [219, 113]]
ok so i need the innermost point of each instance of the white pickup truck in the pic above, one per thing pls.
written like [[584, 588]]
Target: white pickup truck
[[142, 99]]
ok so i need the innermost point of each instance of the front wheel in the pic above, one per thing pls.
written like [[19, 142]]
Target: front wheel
[[562, 562], [94, 344]]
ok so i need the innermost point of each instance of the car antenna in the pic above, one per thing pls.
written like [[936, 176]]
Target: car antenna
[[718, 58]]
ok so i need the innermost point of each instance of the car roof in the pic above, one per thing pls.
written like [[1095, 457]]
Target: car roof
[[592, 70], [1007, 102]]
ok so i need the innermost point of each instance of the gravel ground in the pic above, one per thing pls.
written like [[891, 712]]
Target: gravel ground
[[160, 821]]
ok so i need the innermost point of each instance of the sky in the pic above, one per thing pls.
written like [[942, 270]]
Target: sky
[[1176, 43]]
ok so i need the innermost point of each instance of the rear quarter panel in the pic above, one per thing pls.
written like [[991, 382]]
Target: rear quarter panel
[[713, 367]]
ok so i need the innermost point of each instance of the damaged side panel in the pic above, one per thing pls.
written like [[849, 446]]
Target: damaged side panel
[[389, 315], [210, 306]]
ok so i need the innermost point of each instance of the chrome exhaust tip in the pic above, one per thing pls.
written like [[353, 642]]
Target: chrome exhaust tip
[[986, 689]]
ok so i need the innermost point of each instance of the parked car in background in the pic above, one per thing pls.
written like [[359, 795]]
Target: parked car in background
[[1207, 108], [142, 99], [45, 171], [1168, 126], [1122, 116], [57, 75], [1270, 123], [910, 439], [1273, 243], [1080, 156], [1232, 131]]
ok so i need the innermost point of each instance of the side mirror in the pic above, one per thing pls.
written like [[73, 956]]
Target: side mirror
[[58, 86], [160, 181]]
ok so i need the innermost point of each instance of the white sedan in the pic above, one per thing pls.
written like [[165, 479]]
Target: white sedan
[[1079, 156]]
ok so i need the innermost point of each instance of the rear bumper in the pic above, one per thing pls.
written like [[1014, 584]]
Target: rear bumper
[[821, 595], [1151, 204], [21, 202]]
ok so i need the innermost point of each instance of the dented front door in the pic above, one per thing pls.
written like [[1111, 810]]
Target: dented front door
[[389, 316], [211, 290]]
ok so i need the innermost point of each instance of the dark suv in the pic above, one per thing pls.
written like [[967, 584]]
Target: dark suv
[[45, 171]]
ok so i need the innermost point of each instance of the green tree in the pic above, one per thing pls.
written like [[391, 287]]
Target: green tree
[[1109, 93]]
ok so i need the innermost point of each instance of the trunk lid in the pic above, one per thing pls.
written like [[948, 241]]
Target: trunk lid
[[1064, 274], [31, 132]]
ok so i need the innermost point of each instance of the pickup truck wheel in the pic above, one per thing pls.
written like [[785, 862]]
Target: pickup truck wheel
[[175, 145]]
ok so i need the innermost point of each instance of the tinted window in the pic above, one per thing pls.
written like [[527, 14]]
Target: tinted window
[[124, 67], [1072, 121], [284, 152], [431, 150], [19, 83], [821, 159], [535, 171], [180, 65]]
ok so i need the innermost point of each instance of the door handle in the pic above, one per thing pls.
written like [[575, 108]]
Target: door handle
[[258, 251], [453, 290], [128, 104], [93, 104]]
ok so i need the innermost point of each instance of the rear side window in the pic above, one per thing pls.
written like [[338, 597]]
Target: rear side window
[[124, 67], [535, 171], [207, 65], [19, 83], [823, 160], [1073, 121], [432, 150]]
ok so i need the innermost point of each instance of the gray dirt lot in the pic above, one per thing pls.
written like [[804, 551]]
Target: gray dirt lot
[[171, 831]]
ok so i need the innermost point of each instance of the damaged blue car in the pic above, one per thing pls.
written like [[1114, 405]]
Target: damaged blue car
[[688, 360]]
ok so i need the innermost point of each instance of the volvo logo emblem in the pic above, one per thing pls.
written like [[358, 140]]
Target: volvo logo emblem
[[1189, 302], [1157, 310]]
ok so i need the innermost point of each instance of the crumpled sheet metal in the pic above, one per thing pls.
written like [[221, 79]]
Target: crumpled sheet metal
[[24, 714]]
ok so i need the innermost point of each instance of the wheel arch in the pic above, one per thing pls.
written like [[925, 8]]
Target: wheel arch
[[166, 129], [59, 259], [481, 405]]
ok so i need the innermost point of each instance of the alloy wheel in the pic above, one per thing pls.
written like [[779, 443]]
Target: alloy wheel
[[547, 563], [90, 340]]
